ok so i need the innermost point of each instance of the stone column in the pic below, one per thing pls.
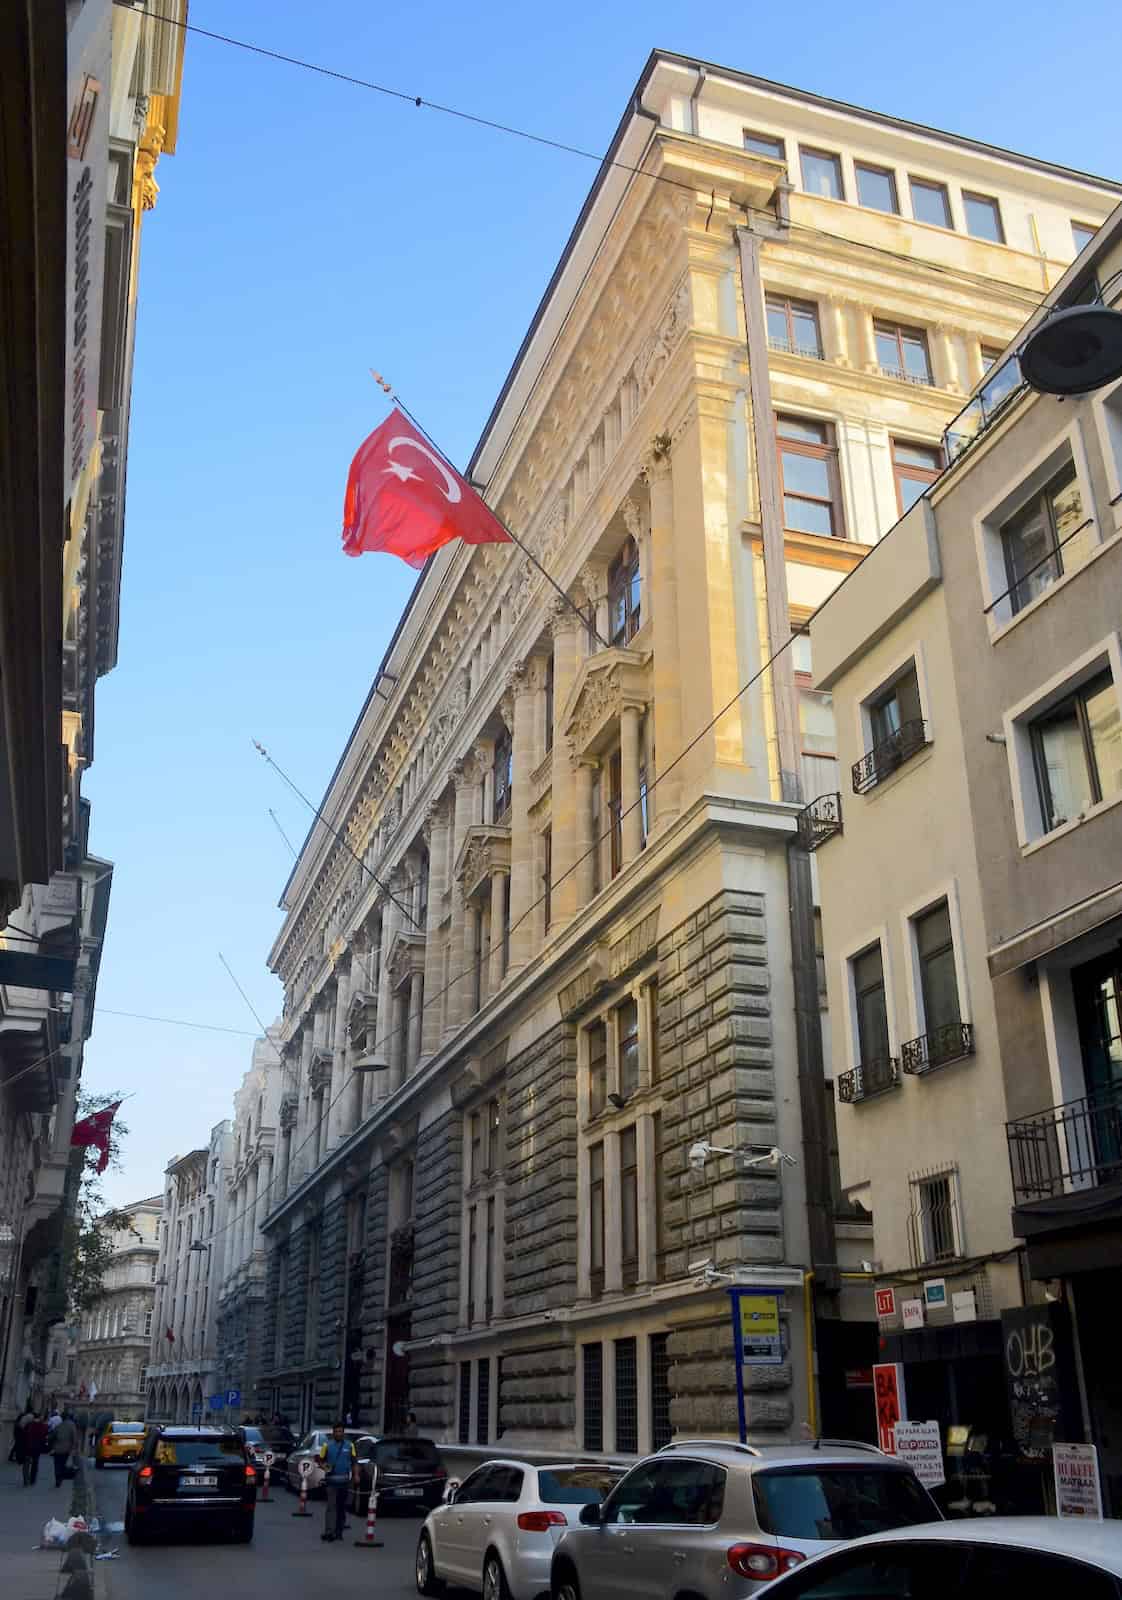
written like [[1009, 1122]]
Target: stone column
[[613, 1237], [944, 366], [437, 828], [485, 766], [584, 778], [396, 1042], [632, 821], [303, 1102], [649, 1199], [866, 343], [251, 1186], [525, 686], [499, 880], [566, 656], [594, 580], [835, 340], [667, 664], [390, 918], [416, 1016], [265, 1198], [460, 982], [337, 1125], [473, 984]]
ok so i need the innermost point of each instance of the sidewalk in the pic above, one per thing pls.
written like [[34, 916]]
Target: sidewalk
[[27, 1573]]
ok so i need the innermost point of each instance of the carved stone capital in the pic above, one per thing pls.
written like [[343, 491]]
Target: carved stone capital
[[561, 618], [632, 518], [465, 771]]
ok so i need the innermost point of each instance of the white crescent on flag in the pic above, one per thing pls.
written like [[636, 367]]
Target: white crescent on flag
[[452, 493]]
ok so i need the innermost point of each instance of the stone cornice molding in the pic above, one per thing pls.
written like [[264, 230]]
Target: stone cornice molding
[[606, 683], [485, 851], [406, 958]]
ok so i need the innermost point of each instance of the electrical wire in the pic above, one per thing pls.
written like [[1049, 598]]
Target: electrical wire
[[174, 1022]]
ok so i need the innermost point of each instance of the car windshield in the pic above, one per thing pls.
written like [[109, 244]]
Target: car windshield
[[274, 1435], [839, 1502], [253, 1435], [406, 1454], [128, 1427], [574, 1486], [190, 1452]]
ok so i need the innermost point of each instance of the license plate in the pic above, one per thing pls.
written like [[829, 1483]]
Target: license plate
[[198, 1483], [416, 1493]]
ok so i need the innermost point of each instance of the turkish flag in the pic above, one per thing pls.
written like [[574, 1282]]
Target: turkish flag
[[95, 1130], [404, 498]]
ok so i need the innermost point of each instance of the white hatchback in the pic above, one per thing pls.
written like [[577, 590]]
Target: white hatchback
[[497, 1531]]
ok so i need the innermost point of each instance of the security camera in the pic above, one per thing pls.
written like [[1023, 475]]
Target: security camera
[[779, 1158], [699, 1154], [700, 1266]]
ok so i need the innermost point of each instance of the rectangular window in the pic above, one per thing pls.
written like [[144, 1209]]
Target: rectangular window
[[661, 1430], [464, 1429], [933, 1221], [872, 1010], [792, 326], [482, 1399], [547, 875], [822, 173], [1082, 233], [473, 1222], [624, 595], [615, 809], [627, 1396], [938, 981], [627, 1035], [808, 466], [504, 773], [876, 188], [914, 466], [629, 1205], [819, 740], [652, 1041], [147, 1323], [893, 716], [549, 670], [1077, 752], [596, 1219], [902, 352], [475, 1165], [930, 202], [1037, 543], [764, 144], [489, 1264], [990, 357], [983, 217], [819, 954], [597, 1068], [592, 1382], [597, 843]]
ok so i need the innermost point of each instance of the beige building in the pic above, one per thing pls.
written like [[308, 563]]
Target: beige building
[[972, 918], [548, 955], [115, 1337]]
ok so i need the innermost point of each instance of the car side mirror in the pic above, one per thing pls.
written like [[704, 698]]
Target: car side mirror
[[592, 1515]]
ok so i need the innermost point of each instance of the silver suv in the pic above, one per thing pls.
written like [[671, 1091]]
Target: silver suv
[[714, 1520]]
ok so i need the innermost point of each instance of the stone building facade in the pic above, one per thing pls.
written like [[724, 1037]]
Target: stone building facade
[[548, 948], [116, 1336]]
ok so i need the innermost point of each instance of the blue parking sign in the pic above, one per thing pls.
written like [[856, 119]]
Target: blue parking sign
[[233, 1397], [216, 1401]]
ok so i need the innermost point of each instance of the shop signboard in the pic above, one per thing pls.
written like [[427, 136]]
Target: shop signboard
[[912, 1313], [1037, 1353], [964, 1306], [891, 1402], [935, 1294], [886, 1303], [1078, 1491], [919, 1444]]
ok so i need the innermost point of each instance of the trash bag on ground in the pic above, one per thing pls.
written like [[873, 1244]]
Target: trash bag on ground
[[55, 1534]]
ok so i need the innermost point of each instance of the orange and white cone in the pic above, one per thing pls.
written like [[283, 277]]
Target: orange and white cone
[[303, 1510], [369, 1542]]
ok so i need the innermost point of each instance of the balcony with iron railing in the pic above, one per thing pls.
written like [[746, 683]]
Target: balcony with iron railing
[[883, 759], [922, 380], [1067, 1149], [937, 1048], [784, 347], [820, 820], [870, 1079]]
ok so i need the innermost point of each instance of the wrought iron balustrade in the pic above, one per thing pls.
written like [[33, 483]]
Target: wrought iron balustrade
[[819, 820], [784, 347], [901, 376], [882, 760], [1076, 1145], [934, 1049], [869, 1079]]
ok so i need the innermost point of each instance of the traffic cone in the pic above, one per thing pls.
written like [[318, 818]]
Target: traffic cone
[[265, 1485], [303, 1510], [369, 1542]]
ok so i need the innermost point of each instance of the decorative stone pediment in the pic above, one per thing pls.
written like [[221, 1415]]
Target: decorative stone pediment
[[635, 945], [399, 1138], [606, 683], [406, 957], [362, 1019], [319, 1072], [485, 851], [587, 984], [288, 1109]]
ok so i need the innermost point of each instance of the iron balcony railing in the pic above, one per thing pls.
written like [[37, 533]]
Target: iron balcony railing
[[934, 1049], [869, 1079], [784, 347], [819, 820], [922, 380], [1077, 1145], [883, 759]]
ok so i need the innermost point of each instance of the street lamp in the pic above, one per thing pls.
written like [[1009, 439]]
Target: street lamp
[[700, 1152], [1075, 350]]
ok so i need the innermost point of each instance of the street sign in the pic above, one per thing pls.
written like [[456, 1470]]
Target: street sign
[[266, 1457], [888, 1390], [233, 1397], [307, 1467], [886, 1302], [919, 1444], [912, 1313], [1078, 1492], [216, 1401], [935, 1293], [757, 1337]]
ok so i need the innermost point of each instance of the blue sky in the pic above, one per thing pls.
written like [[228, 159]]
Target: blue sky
[[307, 231]]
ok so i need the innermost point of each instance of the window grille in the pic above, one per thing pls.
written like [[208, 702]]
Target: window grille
[[593, 1379], [627, 1396]]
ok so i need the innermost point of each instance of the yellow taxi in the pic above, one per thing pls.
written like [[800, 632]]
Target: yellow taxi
[[120, 1441]]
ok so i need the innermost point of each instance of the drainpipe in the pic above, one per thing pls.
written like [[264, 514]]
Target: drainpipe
[[694, 98], [808, 1339]]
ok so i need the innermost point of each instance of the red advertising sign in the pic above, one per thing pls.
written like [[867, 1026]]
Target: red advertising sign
[[888, 1392], [886, 1302]]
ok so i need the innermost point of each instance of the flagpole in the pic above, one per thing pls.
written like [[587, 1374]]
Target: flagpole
[[587, 621]]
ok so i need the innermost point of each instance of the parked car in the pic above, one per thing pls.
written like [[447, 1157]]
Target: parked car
[[120, 1441], [498, 1530], [410, 1473], [719, 1519], [309, 1448], [191, 1476], [264, 1437], [1034, 1558]]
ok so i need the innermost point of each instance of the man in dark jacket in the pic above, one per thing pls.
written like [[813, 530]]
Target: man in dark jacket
[[34, 1443], [62, 1444]]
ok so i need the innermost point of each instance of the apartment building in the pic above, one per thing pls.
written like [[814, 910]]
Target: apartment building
[[542, 1036], [972, 918], [116, 1334]]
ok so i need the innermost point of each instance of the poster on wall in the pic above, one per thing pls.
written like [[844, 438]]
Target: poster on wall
[[891, 1402], [757, 1334], [911, 1311], [1038, 1357], [1078, 1491], [919, 1444]]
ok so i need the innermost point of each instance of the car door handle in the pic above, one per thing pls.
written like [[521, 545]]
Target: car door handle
[[678, 1555], [487, 1521]]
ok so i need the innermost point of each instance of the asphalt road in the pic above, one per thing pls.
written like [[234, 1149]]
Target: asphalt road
[[287, 1558]]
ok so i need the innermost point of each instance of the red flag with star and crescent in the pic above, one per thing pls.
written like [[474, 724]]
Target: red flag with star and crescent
[[404, 498], [95, 1130]]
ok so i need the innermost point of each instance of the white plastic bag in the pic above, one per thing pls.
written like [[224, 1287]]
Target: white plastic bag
[[55, 1534]]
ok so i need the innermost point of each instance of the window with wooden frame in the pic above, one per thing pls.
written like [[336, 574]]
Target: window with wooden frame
[[615, 810], [1082, 233], [822, 173], [902, 352], [808, 468], [1043, 540], [765, 144], [792, 326], [627, 1039], [624, 618], [1077, 752], [983, 217], [629, 1205], [930, 202], [503, 769], [596, 1219], [549, 670], [597, 1068], [914, 466], [876, 187], [872, 1008]]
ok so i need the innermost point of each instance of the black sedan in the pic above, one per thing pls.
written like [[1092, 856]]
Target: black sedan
[[261, 1438], [191, 1477], [409, 1473]]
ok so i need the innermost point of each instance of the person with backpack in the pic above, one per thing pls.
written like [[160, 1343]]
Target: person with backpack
[[340, 1465]]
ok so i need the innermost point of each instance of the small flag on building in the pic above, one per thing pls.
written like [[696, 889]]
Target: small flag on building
[[169, 1336], [404, 498], [95, 1130]]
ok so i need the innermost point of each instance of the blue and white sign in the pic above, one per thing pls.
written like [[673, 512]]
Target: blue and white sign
[[935, 1294], [233, 1397], [216, 1401]]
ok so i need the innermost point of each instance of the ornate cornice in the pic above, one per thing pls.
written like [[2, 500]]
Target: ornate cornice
[[485, 851], [606, 683]]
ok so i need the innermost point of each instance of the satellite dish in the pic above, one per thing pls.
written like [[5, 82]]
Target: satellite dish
[[1074, 351]]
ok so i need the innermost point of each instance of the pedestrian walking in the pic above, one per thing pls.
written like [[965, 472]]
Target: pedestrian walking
[[340, 1465], [62, 1443], [18, 1429], [34, 1443], [54, 1417]]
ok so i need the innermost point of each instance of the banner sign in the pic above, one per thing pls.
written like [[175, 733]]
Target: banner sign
[[912, 1313], [935, 1293], [919, 1444], [1078, 1492], [886, 1303], [891, 1402], [757, 1338], [1038, 1356]]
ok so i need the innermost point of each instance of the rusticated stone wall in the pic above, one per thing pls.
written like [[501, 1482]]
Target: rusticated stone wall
[[540, 1247], [538, 1389]]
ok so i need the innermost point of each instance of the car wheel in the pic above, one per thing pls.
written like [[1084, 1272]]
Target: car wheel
[[494, 1578], [427, 1581], [565, 1586], [132, 1532]]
